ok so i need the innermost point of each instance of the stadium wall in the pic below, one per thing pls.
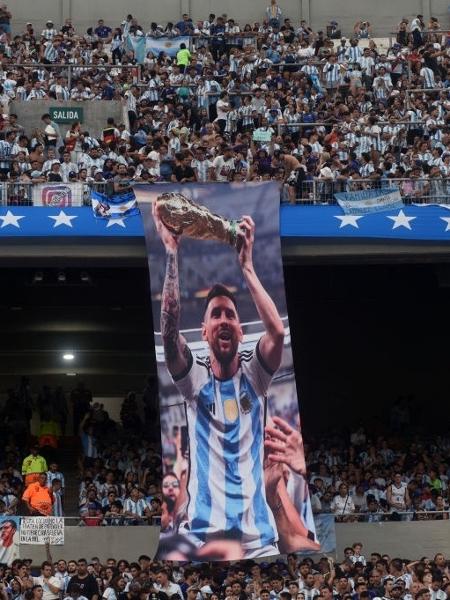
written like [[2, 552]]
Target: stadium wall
[[383, 15], [94, 114], [407, 540]]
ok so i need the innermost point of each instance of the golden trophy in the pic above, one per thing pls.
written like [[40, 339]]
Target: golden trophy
[[182, 216]]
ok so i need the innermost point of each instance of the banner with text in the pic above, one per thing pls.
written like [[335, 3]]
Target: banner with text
[[9, 539], [42, 530], [369, 201], [59, 195], [234, 480]]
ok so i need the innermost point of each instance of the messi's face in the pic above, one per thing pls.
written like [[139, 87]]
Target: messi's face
[[222, 329]]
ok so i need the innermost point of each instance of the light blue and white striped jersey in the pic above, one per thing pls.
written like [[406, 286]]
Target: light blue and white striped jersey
[[50, 52], [332, 74], [226, 422], [353, 54], [57, 510], [137, 508], [56, 475], [428, 76], [5, 154]]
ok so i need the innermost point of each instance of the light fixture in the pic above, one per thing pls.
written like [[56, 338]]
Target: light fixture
[[85, 277], [38, 277], [61, 277], [71, 374], [68, 356]]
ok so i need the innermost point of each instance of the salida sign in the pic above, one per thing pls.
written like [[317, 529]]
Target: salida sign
[[66, 114]]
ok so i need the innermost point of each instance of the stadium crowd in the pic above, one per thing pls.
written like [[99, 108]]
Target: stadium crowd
[[119, 469], [362, 477], [266, 100], [358, 476], [355, 577]]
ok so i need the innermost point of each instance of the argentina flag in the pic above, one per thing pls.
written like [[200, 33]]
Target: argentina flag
[[116, 206], [141, 46], [169, 46]]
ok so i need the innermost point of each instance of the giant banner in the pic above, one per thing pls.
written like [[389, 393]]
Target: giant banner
[[234, 466], [9, 539]]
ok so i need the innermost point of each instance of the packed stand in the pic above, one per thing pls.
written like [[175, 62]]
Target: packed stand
[[354, 577], [256, 101], [374, 478], [121, 465], [31, 482], [118, 472]]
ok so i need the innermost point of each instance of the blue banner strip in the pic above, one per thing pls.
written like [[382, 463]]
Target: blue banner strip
[[424, 223]]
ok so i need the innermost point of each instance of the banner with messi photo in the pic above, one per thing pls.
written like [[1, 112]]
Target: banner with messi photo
[[234, 481], [9, 539]]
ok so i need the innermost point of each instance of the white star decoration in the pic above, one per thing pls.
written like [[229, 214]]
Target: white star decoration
[[447, 220], [10, 219], [401, 220], [351, 220], [114, 221], [63, 219]]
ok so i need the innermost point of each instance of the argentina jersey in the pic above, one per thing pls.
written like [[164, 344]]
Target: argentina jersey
[[226, 420]]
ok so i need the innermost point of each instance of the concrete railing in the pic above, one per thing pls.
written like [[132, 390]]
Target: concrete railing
[[94, 114]]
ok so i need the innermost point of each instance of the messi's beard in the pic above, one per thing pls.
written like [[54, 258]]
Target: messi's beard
[[224, 358]]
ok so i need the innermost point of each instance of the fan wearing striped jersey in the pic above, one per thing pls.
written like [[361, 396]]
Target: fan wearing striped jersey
[[234, 491]]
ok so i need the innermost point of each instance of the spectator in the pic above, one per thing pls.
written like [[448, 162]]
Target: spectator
[[183, 57], [274, 14], [39, 497], [87, 584], [50, 584], [342, 504], [33, 466]]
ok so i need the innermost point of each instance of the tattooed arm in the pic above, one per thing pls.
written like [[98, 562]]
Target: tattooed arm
[[176, 349]]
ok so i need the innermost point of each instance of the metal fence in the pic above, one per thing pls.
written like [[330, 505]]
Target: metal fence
[[385, 517], [432, 190]]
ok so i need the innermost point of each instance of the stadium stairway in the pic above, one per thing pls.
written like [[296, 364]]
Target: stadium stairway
[[67, 457]]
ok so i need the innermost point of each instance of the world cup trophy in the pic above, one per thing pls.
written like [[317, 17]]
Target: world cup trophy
[[182, 216]]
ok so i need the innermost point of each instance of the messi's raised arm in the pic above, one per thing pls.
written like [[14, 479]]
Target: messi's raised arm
[[176, 350], [271, 343]]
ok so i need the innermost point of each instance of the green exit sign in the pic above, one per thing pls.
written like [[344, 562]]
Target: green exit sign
[[66, 114]]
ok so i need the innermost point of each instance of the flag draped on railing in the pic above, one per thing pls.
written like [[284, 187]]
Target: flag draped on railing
[[116, 206], [142, 45]]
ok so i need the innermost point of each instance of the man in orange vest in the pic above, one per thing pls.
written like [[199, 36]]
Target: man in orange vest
[[39, 497]]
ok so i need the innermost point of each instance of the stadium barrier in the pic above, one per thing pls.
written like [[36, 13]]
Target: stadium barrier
[[373, 518], [93, 114], [68, 70], [319, 190], [405, 539]]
